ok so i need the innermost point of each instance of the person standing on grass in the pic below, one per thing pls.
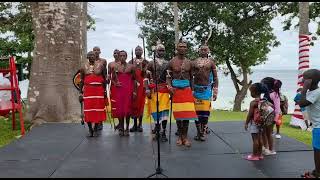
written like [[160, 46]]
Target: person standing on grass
[[310, 99], [204, 69], [305, 115], [283, 104]]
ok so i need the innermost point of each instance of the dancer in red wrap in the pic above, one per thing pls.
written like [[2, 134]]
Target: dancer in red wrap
[[125, 92], [138, 105], [97, 53], [93, 92], [112, 77]]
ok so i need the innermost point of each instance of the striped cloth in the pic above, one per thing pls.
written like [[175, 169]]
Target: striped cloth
[[203, 96], [202, 107], [203, 92], [164, 102], [93, 99], [304, 47], [183, 101], [163, 115]]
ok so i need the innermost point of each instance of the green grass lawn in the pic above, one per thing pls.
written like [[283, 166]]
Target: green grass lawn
[[286, 129], [214, 116], [296, 133], [7, 134]]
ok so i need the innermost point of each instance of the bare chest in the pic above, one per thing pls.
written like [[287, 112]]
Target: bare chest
[[140, 63], [123, 68], [181, 66], [95, 68], [202, 64]]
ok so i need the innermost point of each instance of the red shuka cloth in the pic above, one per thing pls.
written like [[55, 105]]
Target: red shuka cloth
[[122, 106], [138, 104], [93, 99]]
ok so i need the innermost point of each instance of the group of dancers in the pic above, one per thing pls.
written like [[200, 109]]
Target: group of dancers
[[186, 86]]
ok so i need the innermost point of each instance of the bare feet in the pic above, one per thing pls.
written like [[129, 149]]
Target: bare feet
[[179, 141], [186, 142]]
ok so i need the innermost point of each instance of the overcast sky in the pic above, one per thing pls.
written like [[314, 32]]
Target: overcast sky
[[116, 28]]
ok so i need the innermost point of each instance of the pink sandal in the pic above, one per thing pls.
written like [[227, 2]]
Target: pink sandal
[[312, 174], [251, 157], [261, 157]]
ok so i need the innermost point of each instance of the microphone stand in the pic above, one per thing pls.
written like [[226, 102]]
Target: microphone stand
[[82, 115], [158, 169], [170, 119]]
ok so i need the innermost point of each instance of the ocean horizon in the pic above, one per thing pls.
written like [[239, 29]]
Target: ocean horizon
[[227, 91]]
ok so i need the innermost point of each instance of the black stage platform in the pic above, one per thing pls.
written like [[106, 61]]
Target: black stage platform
[[62, 150]]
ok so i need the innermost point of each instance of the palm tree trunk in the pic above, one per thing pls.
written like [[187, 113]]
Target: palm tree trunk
[[176, 23], [304, 47]]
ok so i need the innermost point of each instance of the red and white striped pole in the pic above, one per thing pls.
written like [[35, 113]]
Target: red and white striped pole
[[304, 48]]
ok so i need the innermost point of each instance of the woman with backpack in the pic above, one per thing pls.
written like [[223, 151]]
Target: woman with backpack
[[273, 97]]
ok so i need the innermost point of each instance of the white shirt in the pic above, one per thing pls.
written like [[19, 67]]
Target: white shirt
[[314, 109]]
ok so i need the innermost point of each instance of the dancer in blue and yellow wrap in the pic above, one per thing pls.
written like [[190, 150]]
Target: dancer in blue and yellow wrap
[[163, 92], [205, 90]]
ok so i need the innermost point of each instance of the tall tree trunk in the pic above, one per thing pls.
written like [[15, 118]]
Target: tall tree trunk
[[84, 29], [240, 92], [176, 23], [60, 45], [29, 65], [304, 47], [304, 18]]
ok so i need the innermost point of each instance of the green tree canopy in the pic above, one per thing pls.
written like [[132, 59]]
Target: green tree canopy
[[16, 31], [241, 33], [291, 10]]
